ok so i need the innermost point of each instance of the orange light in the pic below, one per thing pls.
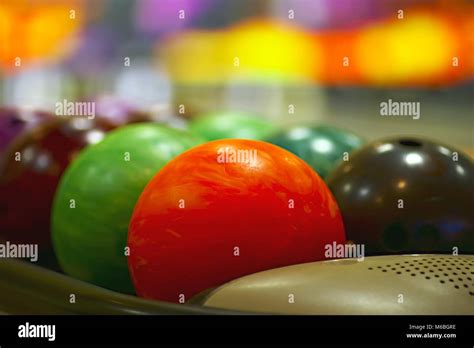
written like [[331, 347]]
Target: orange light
[[29, 32], [419, 47]]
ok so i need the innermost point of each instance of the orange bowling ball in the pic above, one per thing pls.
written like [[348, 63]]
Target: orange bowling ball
[[226, 209]]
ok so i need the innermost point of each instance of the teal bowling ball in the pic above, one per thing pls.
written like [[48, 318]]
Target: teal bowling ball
[[322, 147]]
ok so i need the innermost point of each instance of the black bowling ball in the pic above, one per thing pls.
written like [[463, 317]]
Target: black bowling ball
[[404, 195]]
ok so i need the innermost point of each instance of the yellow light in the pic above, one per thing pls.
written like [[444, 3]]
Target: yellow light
[[274, 50], [262, 51], [195, 57], [401, 184]]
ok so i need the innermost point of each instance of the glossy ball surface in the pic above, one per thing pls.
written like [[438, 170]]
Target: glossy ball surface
[[322, 147], [15, 122], [29, 175], [105, 181], [207, 218], [404, 195], [231, 124]]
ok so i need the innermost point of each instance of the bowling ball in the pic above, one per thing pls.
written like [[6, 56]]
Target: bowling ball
[[322, 147], [14, 122], [225, 209], [96, 196], [407, 195], [231, 124], [119, 112], [29, 175]]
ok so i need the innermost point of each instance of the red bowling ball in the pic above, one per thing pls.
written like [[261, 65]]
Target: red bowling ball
[[30, 172], [226, 209], [14, 122]]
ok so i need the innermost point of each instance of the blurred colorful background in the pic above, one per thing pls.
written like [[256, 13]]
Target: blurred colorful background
[[290, 61], [311, 76]]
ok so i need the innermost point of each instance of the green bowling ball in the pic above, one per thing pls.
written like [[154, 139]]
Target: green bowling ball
[[96, 197], [231, 124], [322, 147]]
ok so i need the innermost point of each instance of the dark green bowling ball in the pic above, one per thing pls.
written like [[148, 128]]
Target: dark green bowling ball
[[322, 147]]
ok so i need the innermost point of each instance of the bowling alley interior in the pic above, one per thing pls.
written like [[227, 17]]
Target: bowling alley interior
[[226, 157]]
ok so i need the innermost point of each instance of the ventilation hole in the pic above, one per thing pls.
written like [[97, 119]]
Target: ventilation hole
[[442, 281], [466, 286], [399, 272], [370, 268], [451, 280], [427, 277], [413, 274], [384, 270], [410, 142], [456, 286]]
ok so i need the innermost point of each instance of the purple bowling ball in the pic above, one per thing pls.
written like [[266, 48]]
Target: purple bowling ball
[[119, 112]]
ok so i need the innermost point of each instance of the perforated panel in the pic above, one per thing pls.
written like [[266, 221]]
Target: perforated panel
[[455, 271]]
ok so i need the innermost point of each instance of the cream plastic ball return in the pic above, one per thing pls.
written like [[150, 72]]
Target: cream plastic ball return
[[403, 284]]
